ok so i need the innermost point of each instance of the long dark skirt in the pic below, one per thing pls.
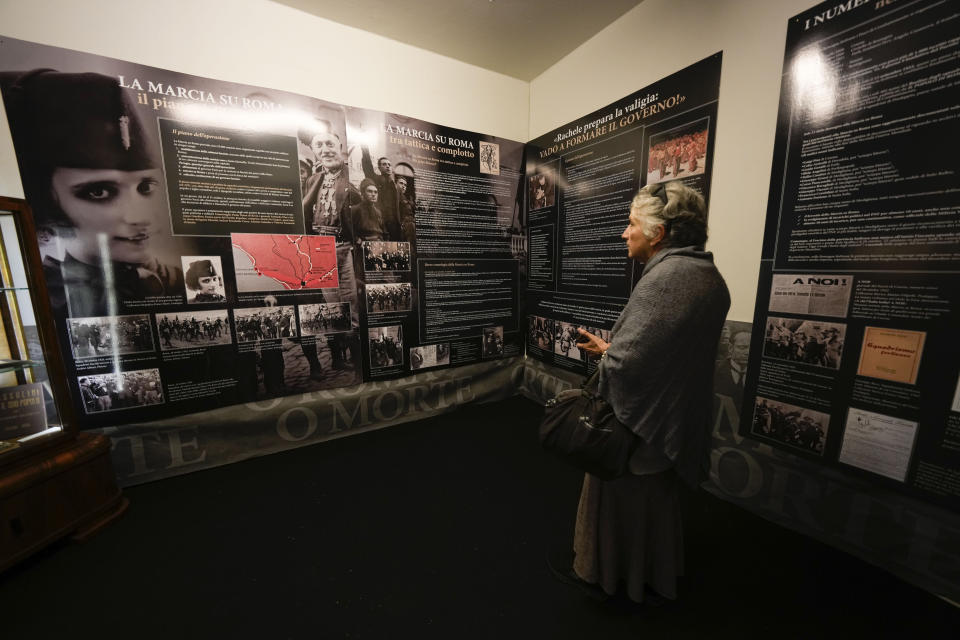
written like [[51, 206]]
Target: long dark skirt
[[629, 532]]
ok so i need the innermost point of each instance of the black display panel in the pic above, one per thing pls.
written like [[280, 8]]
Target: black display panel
[[854, 360]]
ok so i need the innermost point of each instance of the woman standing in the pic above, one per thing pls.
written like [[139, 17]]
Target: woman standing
[[657, 374]]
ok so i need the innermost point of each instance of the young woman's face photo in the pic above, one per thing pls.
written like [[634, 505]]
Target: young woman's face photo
[[124, 206], [209, 284]]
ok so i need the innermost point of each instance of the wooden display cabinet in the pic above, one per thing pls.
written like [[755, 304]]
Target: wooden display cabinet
[[55, 481]]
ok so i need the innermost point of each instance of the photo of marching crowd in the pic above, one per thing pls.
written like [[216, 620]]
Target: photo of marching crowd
[[386, 346], [540, 332], [124, 390], [807, 341], [678, 153], [323, 318], [193, 329], [265, 323], [383, 298], [430, 355], [109, 335], [566, 338], [386, 256], [797, 426]]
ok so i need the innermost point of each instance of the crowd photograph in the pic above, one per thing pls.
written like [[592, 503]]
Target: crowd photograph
[[677, 154], [798, 426], [807, 341], [323, 318], [124, 390], [384, 298], [386, 256], [194, 329], [265, 323], [566, 337], [110, 335]]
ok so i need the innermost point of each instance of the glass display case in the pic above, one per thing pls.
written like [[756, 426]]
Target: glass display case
[[31, 371], [54, 480]]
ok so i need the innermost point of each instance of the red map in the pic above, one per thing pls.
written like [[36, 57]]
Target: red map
[[268, 262]]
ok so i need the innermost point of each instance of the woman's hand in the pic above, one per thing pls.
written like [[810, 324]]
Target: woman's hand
[[592, 344]]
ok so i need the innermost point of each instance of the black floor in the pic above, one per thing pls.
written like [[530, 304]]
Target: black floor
[[435, 529]]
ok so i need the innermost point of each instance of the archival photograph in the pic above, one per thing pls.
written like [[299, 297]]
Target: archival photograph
[[541, 188], [430, 355], [380, 255], [790, 424], [109, 335], [678, 153], [203, 279], [492, 342], [566, 338], [265, 323], [387, 298], [540, 332], [323, 318], [955, 407], [806, 341], [124, 390], [202, 328], [386, 346]]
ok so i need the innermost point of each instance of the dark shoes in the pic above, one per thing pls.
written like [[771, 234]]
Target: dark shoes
[[569, 577], [653, 599]]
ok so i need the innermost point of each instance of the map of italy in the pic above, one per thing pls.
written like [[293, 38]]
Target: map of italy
[[272, 262]]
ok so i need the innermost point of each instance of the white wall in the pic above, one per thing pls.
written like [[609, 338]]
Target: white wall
[[270, 45], [659, 37]]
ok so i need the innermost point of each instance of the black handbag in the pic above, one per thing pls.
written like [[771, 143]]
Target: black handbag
[[581, 428]]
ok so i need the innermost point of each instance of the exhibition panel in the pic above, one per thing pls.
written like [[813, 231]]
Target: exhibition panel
[[235, 271], [208, 243], [579, 182], [854, 361]]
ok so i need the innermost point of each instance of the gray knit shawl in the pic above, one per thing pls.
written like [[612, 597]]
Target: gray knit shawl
[[658, 372]]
